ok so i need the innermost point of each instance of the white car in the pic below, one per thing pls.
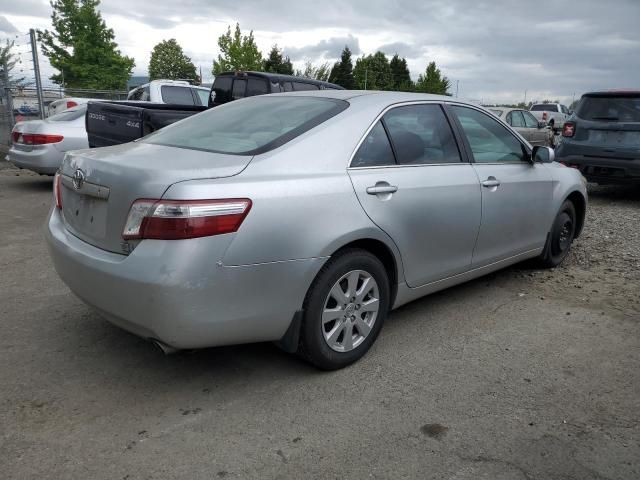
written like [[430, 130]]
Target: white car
[[59, 106], [176, 92], [40, 145], [554, 114]]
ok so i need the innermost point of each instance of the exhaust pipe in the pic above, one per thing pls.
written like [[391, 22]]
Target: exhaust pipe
[[166, 349]]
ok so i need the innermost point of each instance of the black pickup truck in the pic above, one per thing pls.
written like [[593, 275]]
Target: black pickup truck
[[113, 123]]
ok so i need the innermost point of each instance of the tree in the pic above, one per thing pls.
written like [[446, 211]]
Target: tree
[[169, 61], [373, 72], [277, 62], [342, 72], [82, 48], [8, 58], [400, 76], [432, 81], [237, 52], [320, 72]]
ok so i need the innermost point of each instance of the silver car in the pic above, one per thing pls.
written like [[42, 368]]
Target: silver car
[[40, 145], [523, 122], [303, 218]]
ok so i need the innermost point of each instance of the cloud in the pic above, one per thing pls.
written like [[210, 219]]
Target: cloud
[[6, 27], [330, 48], [401, 48]]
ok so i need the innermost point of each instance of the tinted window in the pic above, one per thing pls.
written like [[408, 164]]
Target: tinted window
[[70, 114], [176, 95], [287, 86], [202, 95], [420, 134], [222, 89], [529, 120], [239, 88], [375, 150], [543, 107], [516, 120], [490, 142], [613, 109], [301, 86], [250, 126], [257, 86]]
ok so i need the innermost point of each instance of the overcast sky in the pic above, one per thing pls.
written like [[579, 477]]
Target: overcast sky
[[495, 49]]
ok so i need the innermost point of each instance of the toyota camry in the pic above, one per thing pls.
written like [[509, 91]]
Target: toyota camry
[[304, 218]]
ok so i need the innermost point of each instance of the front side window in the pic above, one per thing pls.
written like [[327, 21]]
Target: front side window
[[248, 127], [257, 86], [490, 142], [420, 134], [146, 94], [239, 88], [176, 95], [529, 120], [375, 150]]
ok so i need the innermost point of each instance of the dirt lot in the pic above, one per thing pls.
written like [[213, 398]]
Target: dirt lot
[[524, 374]]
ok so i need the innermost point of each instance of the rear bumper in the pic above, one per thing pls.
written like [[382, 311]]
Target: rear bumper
[[45, 159], [600, 169], [176, 293]]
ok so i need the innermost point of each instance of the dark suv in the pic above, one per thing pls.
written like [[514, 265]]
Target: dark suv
[[602, 137], [230, 86]]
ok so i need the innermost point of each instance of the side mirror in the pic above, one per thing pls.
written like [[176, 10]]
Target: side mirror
[[542, 124], [541, 154]]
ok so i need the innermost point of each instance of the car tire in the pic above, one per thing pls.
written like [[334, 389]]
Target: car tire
[[340, 321], [560, 237]]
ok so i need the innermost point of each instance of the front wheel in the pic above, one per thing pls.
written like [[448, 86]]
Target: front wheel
[[344, 310], [560, 237]]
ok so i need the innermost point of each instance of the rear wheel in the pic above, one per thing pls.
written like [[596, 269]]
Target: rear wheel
[[344, 310], [560, 238]]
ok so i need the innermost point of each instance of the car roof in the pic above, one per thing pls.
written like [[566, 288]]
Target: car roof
[[613, 93], [279, 77]]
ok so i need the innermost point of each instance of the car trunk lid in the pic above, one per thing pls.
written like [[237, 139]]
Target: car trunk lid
[[99, 186]]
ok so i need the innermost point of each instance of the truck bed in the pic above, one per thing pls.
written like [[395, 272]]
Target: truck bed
[[113, 123]]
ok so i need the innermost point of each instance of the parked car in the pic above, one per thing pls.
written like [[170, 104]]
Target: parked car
[[59, 106], [602, 138], [303, 218], [113, 123], [173, 92], [26, 110], [532, 130], [554, 114], [40, 145]]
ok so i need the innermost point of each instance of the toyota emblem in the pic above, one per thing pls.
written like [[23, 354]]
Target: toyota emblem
[[78, 179]]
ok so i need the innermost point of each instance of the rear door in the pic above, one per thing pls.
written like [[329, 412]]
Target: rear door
[[516, 194], [409, 177]]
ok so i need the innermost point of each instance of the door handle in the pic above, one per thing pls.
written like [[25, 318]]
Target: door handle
[[381, 187], [491, 182]]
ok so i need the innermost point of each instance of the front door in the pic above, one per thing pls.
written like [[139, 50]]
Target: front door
[[411, 181], [516, 193]]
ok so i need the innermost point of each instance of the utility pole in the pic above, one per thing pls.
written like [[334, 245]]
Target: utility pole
[[36, 71], [457, 85], [366, 70], [525, 98]]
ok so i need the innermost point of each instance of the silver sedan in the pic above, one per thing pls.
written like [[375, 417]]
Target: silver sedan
[[40, 145], [304, 218], [535, 132]]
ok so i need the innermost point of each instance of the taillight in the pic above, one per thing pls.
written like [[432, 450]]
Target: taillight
[[35, 138], [71, 103], [182, 219], [568, 129], [57, 193], [544, 115]]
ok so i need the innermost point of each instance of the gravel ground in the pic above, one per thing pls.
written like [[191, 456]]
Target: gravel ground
[[520, 375]]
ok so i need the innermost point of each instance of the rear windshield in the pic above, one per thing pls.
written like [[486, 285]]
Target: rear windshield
[[544, 108], [70, 114], [612, 109], [249, 127]]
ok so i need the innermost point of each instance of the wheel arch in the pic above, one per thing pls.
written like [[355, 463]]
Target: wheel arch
[[580, 204]]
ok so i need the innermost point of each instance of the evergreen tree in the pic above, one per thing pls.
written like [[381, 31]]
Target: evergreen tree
[[82, 48], [237, 52], [342, 72], [373, 72], [8, 58], [320, 72], [401, 79], [169, 61], [277, 62], [432, 81]]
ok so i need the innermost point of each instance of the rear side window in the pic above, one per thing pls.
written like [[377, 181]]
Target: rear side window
[[70, 114], [239, 88], [515, 119], [135, 94], [288, 87], [202, 95], [257, 86], [222, 89], [301, 86], [375, 150], [612, 109], [176, 95], [420, 134], [248, 127]]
